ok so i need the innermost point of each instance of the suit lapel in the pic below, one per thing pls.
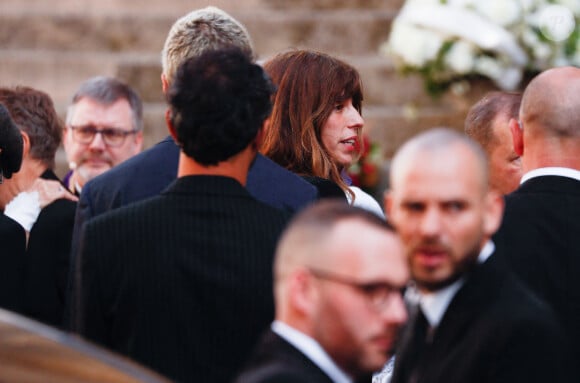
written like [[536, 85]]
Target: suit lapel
[[478, 293]]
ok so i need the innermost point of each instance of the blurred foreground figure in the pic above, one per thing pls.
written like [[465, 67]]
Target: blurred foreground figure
[[471, 319], [339, 271]]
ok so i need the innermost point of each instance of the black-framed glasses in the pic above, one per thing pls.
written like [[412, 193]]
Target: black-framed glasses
[[111, 136], [379, 294]]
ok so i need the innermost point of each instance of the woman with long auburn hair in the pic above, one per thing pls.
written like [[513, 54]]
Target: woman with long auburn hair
[[316, 125]]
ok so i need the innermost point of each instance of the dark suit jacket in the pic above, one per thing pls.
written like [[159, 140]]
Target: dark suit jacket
[[47, 261], [12, 246], [494, 330], [326, 188], [277, 361], [181, 282], [540, 237]]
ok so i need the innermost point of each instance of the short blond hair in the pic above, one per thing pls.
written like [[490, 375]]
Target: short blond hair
[[199, 31]]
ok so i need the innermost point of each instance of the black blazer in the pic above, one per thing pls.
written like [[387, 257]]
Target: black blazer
[[47, 260], [276, 361], [181, 282], [540, 236], [494, 330], [148, 173], [12, 247]]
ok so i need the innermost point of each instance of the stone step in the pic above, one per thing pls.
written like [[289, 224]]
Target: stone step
[[179, 7], [59, 73], [339, 31]]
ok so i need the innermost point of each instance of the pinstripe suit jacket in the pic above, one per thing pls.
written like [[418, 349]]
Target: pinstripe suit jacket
[[181, 282]]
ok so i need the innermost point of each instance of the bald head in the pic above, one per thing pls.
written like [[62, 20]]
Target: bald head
[[551, 103], [305, 238], [438, 140], [339, 272]]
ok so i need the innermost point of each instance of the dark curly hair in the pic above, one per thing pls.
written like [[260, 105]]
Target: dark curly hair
[[219, 102]]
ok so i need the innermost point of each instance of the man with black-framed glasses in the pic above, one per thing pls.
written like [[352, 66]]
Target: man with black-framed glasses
[[104, 127], [338, 275]]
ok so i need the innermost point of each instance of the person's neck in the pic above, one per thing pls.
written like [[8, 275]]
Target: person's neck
[[551, 153], [235, 167], [21, 181]]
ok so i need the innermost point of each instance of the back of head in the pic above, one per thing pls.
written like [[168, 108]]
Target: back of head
[[550, 104], [481, 116], [310, 85], [199, 31], [106, 91], [219, 101], [10, 145], [33, 112], [305, 235]]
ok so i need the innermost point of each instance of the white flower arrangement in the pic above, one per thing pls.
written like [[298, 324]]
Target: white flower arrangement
[[447, 41]]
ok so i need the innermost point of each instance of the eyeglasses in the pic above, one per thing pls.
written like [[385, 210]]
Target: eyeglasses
[[112, 137], [379, 294]]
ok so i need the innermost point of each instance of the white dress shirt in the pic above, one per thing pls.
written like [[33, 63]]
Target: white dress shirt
[[435, 304], [551, 171]]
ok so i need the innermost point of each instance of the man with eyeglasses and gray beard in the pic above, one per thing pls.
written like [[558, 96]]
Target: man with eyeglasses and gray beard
[[104, 127]]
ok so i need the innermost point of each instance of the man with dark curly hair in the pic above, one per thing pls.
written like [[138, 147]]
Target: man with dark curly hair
[[182, 282]]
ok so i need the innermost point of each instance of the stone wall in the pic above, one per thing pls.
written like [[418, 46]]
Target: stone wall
[[54, 45]]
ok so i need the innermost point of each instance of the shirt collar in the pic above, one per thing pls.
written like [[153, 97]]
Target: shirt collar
[[551, 171], [312, 350], [435, 304]]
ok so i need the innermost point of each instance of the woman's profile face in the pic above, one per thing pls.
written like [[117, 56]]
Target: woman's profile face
[[340, 133]]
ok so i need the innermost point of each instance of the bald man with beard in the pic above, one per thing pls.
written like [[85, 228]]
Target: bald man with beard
[[472, 321], [542, 217]]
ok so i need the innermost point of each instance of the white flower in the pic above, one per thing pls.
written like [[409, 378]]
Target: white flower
[[492, 38], [461, 3], [573, 5], [541, 51], [501, 12], [415, 46], [461, 57], [488, 66], [505, 77], [423, 2]]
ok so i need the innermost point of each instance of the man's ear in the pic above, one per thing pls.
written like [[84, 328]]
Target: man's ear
[[164, 84], [516, 128], [25, 144], [493, 214], [302, 292], [170, 126]]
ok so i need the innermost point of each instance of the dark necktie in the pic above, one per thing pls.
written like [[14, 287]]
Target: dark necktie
[[422, 338]]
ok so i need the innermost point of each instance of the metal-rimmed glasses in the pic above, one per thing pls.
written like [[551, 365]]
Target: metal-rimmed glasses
[[379, 295], [113, 137]]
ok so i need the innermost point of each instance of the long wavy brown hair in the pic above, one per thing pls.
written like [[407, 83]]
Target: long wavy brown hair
[[310, 84]]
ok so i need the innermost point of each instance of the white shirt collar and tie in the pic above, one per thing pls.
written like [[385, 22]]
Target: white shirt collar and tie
[[436, 303]]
